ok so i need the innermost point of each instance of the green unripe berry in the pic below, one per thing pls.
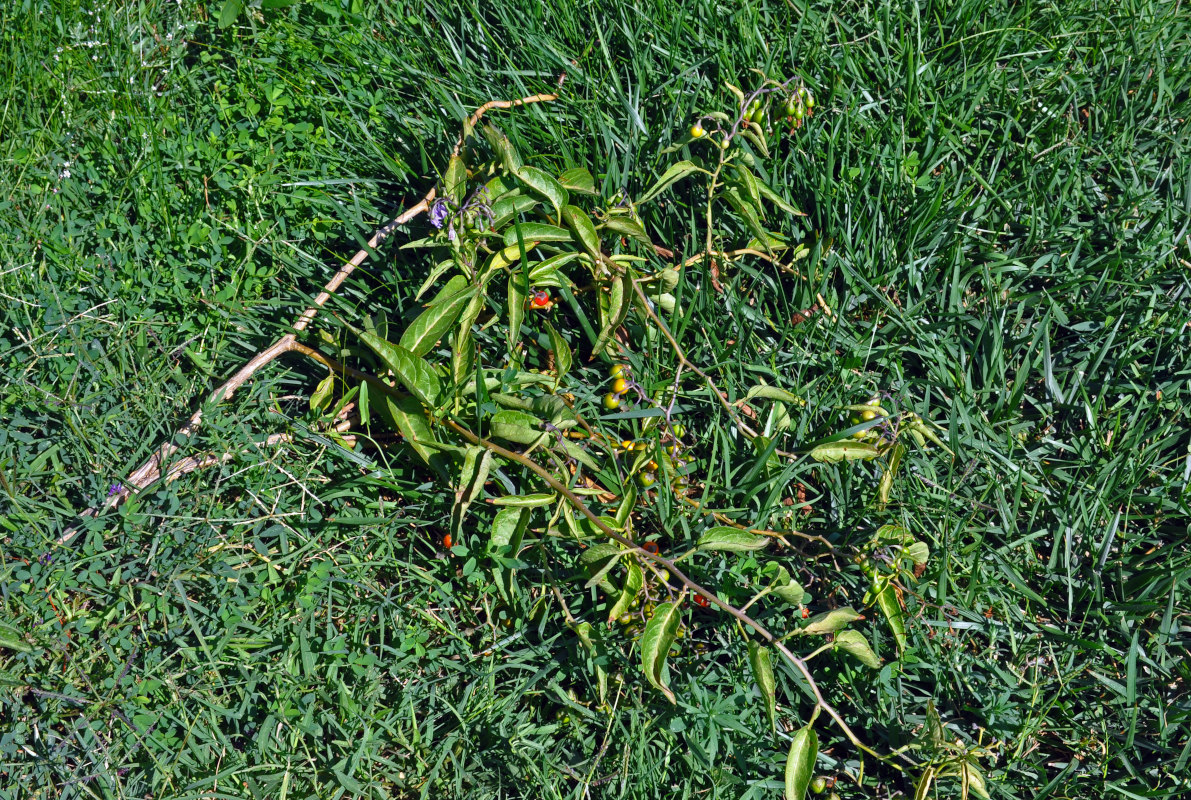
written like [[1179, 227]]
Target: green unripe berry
[[819, 784]]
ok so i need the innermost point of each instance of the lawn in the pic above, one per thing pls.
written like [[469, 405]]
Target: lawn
[[907, 398]]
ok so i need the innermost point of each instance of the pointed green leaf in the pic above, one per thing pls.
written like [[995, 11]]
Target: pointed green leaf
[[536, 232], [618, 308], [578, 221], [578, 179], [562, 352], [517, 426], [749, 182], [742, 206], [454, 182], [885, 485], [892, 609], [660, 632], [546, 273], [759, 660], [525, 500], [508, 528], [433, 323], [633, 582], [518, 295], [773, 197], [476, 463], [854, 643], [13, 639], [231, 9], [774, 393], [732, 540], [800, 762], [406, 415], [321, 398], [510, 206], [919, 552], [599, 560], [756, 135], [628, 227], [672, 175], [504, 148], [830, 621], [417, 376], [834, 452], [542, 183]]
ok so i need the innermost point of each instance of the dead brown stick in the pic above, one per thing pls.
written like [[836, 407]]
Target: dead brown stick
[[150, 471]]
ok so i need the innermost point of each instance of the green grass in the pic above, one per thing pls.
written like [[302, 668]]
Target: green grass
[[997, 202]]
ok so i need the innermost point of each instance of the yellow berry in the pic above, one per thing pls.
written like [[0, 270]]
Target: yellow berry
[[619, 386], [611, 402], [697, 131], [618, 371]]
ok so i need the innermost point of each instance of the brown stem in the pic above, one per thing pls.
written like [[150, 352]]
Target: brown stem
[[151, 470], [667, 564]]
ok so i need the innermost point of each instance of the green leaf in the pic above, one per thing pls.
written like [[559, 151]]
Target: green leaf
[[746, 210], [830, 621], [732, 540], [454, 182], [759, 660], [749, 182], [578, 179], [599, 560], [476, 462], [974, 780], [321, 398], [754, 134], [619, 302], [628, 227], [517, 426], [800, 762], [406, 415], [885, 485], [510, 206], [525, 500], [518, 294], [834, 452], [633, 582], [739, 95], [773, 197], [774, 393], [508, 528], [545, 273], [578, 221], [675, 173], [542, 183], [537, 232], [463, 347], [892, 609], [231, 9], [660, 632], [503, 259], [504, 148], [919, 552], [13, 639], [433, 323], [562, 352], [417, 376], [854, 643]]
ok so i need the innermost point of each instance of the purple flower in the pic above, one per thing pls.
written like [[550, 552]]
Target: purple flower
[[439, 212], [115, 489]]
